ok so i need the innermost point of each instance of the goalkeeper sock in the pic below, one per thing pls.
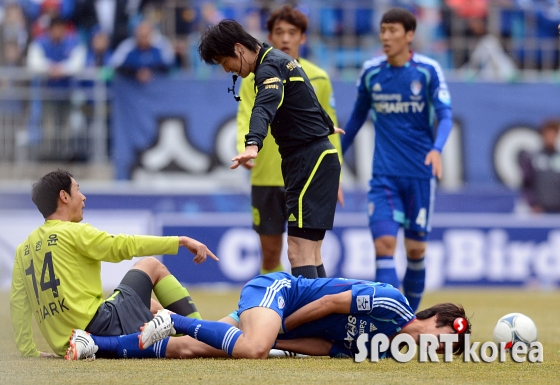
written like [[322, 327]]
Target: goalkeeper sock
[[219, 335], [126, 346], [173, 296], [385, 270], [414, 282]]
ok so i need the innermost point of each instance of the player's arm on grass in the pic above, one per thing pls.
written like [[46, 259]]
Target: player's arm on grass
[[21, 313], [309, 346], [329, 304]]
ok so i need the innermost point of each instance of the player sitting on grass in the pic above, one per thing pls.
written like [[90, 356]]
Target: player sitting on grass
[[57, 274], [321, 317]]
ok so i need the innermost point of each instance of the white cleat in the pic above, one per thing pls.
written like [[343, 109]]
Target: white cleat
[[81, 346], [157, 329], [277, 353]]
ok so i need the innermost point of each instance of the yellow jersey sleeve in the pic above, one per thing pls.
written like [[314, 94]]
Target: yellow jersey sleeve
[[101, 246], [21, 313]]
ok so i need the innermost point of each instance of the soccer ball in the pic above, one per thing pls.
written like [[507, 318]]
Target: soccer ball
[[515, 327]]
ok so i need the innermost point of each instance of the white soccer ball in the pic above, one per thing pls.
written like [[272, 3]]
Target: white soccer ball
[[515, 327]]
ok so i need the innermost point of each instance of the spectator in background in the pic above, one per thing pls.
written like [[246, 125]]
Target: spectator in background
[[146, 53], [57, 55], [108, 16], [541, 172], [41, 12], [13, 29], [99, 53]]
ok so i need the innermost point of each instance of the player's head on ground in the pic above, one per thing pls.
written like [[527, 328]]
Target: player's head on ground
[[57, 195], [396, 32], [286, 30], [444, 316], [229, 45]]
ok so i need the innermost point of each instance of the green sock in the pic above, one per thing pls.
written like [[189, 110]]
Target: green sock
[[173, 296], [277, 269]]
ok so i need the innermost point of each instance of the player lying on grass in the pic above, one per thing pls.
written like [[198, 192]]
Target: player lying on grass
[[57, 273], [321, 317]]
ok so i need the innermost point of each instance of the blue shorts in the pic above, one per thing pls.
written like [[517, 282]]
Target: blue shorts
[[271, 291], [401, 201]]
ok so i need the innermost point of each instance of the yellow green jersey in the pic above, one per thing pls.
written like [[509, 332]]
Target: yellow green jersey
[[57, 278], [267, 170]]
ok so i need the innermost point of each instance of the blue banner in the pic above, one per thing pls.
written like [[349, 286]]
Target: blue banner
[[186, 127], [464, 249]]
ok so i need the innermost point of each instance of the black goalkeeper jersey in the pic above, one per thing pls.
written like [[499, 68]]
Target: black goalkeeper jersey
[[286, 100]]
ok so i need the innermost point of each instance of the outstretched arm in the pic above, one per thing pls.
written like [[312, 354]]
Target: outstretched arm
[[329, 304], [199, 249]]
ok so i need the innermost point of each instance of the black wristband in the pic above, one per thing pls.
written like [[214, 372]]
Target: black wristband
[[252, 143]]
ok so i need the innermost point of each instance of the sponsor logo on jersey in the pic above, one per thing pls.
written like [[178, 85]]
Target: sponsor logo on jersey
[[386, 97], [399, 107], [292, 218], [372, 327], [293, 65], [415, 87], [271, 80], [281, 302], [444, 97], [363, 302], [377, 87]]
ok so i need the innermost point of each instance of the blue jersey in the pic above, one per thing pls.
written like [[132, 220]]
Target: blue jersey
[[375, 308], [404, 102]]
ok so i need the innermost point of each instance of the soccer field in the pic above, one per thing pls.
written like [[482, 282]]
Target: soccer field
[[484, 307]]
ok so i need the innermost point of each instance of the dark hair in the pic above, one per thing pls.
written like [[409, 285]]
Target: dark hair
[[45, 192], [446, 314], [290, 15], [400, 16], [219, 41], [57, 21]]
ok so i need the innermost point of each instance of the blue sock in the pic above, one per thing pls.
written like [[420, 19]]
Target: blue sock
[[181, 323], [127, 347], [219, 335], [414, 281], [385, 270]]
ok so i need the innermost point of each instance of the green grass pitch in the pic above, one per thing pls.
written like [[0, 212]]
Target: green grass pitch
[[484, 307]]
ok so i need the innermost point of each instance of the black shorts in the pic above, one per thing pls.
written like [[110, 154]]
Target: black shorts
[[126, 309], [269, 209], [311, 177]]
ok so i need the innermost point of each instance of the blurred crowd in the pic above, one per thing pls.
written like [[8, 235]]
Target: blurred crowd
[[77, 34]]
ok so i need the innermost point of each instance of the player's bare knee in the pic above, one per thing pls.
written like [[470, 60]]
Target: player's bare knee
[[385, 245], [416, 253], [153, 267], [256, 353]]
